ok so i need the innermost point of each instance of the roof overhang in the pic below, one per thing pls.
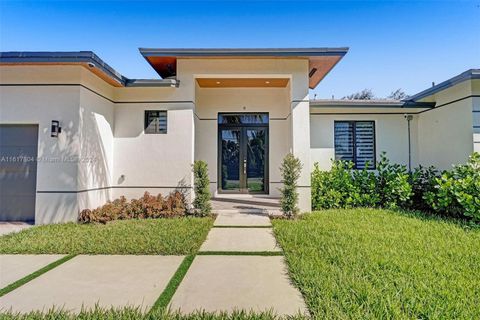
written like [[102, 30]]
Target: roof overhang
[[464, 76], [345, 103], [321, 60], [86, 59]]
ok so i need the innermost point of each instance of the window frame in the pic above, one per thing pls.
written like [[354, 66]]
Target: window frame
[[354, 122], [145, 122]]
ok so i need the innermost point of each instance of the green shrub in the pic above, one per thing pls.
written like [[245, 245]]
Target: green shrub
[[343, 187], [147, 206], [422, 180], [290, 169], [454, 193], [332, 189], [457, 192], [201, 203], [365, 182], [393, 184]]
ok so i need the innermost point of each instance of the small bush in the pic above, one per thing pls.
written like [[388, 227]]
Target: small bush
[[343, 187], [201, 203], [393, 184], [457, 192], [423, 181], [290, 169], [332, 189], [365, 182], [147, 206]]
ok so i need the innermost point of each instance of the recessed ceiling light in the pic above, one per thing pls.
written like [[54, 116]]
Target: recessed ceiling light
[[218, 82], [267, 82]]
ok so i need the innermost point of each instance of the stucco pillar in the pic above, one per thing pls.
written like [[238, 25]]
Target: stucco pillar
[[300, 124]]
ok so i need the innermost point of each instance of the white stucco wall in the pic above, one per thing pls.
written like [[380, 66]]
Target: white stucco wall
[[29, 104], [95, 167], [157, 163], [391, 134], [445, 134]]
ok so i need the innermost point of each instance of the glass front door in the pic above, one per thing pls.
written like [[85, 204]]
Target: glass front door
[[243, 156]]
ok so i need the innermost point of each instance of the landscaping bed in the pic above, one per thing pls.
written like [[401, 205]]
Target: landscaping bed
[[174, 236], [381, 264]]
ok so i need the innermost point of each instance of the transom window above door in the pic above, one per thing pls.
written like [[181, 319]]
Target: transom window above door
[[355, 142], [244, 118]]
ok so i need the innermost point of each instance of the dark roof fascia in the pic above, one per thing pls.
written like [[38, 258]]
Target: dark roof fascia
[[247, 52], [62, 57], [467, 75], [152, 83], [370, 104]]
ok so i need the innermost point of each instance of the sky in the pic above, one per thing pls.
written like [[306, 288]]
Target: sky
[[393, 44]]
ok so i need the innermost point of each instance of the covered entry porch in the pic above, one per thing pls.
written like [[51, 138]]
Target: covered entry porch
[[243, 131]]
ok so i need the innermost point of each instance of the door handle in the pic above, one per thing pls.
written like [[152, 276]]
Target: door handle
[[244, 166]]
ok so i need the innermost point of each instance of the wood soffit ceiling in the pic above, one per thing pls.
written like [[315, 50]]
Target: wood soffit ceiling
[[242, 82], [319, 66]]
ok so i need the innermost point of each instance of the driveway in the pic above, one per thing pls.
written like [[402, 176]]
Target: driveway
[[9, 227]]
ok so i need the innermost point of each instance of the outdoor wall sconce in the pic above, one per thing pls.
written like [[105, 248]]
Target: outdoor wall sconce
[[56, 129]]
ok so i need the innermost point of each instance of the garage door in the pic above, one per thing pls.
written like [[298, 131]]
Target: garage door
[[18, 172]]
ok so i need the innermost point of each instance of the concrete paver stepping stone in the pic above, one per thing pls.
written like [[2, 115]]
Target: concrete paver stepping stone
[[110, 281], [227, 283], [240, 239], [242, 219], [14, 267]]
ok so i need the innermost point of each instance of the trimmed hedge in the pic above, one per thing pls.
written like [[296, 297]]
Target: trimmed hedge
[[290, 169], [454, 193]]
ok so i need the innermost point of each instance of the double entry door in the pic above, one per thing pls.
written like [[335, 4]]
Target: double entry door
[[243, 158]]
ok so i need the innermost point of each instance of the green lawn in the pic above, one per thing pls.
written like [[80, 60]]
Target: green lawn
[[135, 314], [149, 236], [379, 264]]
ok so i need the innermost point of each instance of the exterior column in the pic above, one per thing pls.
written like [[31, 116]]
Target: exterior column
[[300, 124]]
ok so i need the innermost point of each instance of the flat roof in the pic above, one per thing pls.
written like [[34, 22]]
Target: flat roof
[[374, 103], [321, 60], [87, 59], [467, 75]]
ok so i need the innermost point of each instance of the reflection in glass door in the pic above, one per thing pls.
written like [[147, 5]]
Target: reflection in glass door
[[230, 159], [243, 153], [256, 154]]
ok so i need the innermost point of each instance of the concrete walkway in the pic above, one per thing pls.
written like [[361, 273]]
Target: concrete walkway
[[222, 282], [110, 281], [240, 267], [13, 267]]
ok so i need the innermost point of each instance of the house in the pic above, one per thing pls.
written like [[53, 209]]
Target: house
[[75, 133]]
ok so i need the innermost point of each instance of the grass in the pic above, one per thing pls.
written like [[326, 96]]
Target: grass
[[34, 275], [137, 314], [172, 286], [150, 236], [240, 253], [380, 264]]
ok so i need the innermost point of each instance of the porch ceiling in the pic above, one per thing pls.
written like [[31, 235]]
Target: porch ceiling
[[242, 82]]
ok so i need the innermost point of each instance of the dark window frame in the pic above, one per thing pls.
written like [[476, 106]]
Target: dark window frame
[[372, 166], [146, 123], [240, 114]]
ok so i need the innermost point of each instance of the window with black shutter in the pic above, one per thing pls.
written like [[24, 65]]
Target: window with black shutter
[[355, 141], [155, 121]]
